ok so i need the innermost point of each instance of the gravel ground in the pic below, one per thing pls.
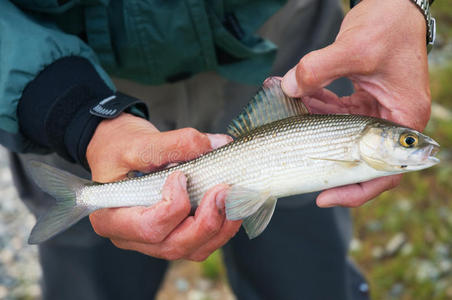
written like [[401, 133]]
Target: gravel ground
[[19, 267], [20, 271]]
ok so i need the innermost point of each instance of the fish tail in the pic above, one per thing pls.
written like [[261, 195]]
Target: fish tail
[[64, 187]]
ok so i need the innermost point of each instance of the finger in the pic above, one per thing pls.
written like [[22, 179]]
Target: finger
[[319, 68], [354, 195], [172, 147], [146, 224], [191, 234], [228, 230]]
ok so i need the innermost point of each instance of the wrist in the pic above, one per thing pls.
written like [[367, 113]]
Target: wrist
[[55, 108]]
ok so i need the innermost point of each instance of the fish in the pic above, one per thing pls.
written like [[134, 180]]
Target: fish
[[279, 150]]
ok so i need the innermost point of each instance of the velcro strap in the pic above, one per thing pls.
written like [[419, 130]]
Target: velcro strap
[[112, 106]]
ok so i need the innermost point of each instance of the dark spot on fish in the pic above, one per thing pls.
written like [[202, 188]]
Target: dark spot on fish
[[403, 166]]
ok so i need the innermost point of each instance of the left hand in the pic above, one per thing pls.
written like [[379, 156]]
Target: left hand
[[381, 47]]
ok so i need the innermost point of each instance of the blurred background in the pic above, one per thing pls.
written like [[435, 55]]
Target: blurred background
[[402, 240]]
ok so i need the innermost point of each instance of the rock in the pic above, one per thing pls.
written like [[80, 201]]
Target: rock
[[196, 295], [182, 285], [3, 292], [426, 270], [407, 249], [404, 205], [395, 244], [377, 252], [355, 245], [374, 225], [204, 284], [445, 266], [6, 256], [364, 288], [441, 112]]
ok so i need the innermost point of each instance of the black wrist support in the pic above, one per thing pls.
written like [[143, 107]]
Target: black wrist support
[[62, 107]]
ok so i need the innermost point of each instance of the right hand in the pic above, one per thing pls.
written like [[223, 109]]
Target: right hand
[[164, 230]]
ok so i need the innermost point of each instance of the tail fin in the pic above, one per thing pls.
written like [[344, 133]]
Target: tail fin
[[64, 188]]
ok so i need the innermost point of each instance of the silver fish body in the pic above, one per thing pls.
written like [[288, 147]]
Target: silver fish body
[[279, 150], [282, 158]]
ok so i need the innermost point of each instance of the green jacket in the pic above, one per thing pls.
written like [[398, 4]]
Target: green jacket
[[151, 41]]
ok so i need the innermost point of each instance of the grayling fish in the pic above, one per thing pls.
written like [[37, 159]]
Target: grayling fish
[[280, 150]]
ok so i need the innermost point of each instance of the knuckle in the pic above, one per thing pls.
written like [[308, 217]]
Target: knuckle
[[150, 237], [210, 228], [130, 156], [194, 142], [191, 134], [306, 72], [181, 206]]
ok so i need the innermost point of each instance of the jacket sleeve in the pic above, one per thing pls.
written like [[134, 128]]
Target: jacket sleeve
[[49, 83]]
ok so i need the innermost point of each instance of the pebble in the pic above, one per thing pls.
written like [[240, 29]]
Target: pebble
[[374, 226], [355, 245], [426, 270], [377, 252], [6, 256], [395, 244], [182, 285], [404, 205], [407, 249], [3, 291], [204, 284], [441, 112], [196, 295]]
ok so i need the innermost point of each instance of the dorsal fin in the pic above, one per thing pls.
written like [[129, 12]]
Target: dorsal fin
[[270, 104]]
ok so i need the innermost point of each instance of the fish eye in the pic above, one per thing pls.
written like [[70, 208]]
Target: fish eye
[[408, 140]]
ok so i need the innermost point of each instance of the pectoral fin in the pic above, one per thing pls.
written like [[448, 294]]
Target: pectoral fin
[[347, 163], [256, 223]]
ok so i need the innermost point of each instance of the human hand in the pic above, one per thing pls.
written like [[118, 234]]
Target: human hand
[[381, 47], [164, 230]]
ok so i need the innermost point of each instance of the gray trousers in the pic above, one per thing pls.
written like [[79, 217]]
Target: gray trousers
[[301, 255]]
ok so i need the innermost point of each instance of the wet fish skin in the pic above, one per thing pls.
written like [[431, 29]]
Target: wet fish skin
[[270, 158]]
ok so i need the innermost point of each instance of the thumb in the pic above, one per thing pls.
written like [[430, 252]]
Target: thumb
[[319, 68]]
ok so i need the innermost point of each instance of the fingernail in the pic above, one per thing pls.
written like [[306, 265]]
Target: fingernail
[[182, 181], [289, 84], [219, 200], [270, 81], [218, 140], [325, 203]]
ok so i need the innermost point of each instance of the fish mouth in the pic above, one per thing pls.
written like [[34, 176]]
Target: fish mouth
[[428, 158], [432, 150]]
